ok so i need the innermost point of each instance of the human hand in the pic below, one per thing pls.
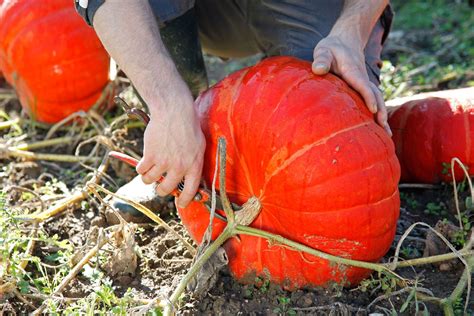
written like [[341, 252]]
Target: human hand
[[345, 58], [175, 144], [173, 140]]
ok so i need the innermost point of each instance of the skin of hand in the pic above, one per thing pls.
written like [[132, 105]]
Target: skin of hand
[[342, 52], [173, 141]]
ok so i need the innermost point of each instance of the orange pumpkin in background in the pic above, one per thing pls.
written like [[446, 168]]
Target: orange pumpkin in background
[[51, 57], [430, 129], [324, 172]]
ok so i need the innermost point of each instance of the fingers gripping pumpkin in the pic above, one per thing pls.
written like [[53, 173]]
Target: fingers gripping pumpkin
[[325, 173], [55, 62]]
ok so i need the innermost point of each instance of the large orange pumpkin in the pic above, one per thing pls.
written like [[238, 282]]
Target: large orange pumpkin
[[325, 173], [429, 130], [51, 57]]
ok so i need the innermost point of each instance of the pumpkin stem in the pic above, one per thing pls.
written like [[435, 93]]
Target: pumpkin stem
[[249, 212]]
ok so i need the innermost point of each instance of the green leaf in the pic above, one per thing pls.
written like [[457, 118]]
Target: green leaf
[[156, 312], [24, 286], [291, 312], [407, 302]]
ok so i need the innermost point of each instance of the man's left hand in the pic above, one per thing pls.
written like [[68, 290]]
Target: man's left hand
[[333, 55]]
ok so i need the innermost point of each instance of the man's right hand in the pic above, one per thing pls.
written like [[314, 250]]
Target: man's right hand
[[174, 144]]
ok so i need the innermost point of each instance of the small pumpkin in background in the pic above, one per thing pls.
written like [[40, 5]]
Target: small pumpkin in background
[[430, 129], [55, 62], [324, 172]]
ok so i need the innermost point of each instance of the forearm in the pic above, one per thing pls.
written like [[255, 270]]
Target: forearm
[[357, 20], [130, 34]]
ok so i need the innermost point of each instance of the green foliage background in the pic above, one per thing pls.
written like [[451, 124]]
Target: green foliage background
[[431, 47]]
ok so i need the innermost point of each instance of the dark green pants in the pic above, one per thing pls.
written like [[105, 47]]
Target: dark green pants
[[239, 28]]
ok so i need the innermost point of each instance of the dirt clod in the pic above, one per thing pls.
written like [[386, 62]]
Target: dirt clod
[[436, 246], [124, 261]]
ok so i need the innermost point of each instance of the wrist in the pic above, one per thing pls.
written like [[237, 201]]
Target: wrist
[[357, 20], [163, 89], [349, 34]]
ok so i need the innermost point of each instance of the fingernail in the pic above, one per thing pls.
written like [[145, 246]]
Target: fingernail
[[373, 108], [321, 66], [145, 180], [388, 129]]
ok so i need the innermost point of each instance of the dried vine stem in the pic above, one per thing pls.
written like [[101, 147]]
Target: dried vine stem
[[30, 247], [63, 204], [447, 303], [228, 232], [229, 212], [419, 292], [32, 192], [13, 152], [10, 287], [432, 259], [407, 232], [44, 143], [54, 210], [456, 200], [70, 118], [9, 123]]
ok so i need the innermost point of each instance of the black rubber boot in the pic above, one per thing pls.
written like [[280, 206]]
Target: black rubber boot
[[180, 37]]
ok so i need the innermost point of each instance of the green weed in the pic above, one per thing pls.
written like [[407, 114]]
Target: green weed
[[436, 209], [409, 200]]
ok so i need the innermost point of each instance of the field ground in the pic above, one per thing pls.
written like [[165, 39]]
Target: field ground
[[431, 47]]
